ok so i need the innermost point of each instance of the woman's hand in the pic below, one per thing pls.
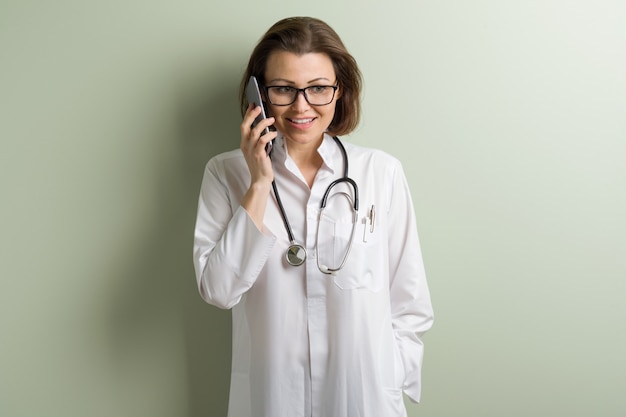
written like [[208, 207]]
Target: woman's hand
[[259, 164], [253, 146]]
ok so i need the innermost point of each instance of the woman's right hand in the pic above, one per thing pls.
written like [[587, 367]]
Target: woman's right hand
[[253, 146], [259, 164]]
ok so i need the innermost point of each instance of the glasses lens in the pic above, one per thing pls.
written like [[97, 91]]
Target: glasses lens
[[318, 95]]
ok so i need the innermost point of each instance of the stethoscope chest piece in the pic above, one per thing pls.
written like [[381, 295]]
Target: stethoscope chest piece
[[296, 255]]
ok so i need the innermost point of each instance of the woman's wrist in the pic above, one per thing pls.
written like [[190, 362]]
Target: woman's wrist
[[255, 201]]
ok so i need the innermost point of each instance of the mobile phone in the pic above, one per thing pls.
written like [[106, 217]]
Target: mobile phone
[[253, 95]]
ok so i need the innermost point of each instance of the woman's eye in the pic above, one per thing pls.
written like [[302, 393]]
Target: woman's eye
[[284, 90]]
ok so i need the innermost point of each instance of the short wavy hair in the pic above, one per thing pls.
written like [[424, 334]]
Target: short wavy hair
[[302, 35]]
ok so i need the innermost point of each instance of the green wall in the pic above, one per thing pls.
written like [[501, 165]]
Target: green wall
[[509, 117]]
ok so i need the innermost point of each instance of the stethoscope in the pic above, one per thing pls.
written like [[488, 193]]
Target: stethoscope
[[296, 253]]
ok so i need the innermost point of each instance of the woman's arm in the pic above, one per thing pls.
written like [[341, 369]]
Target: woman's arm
[[411, 308], [229, 249]]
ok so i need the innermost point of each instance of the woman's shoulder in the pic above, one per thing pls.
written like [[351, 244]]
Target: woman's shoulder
[[227, 165], [226, 159]]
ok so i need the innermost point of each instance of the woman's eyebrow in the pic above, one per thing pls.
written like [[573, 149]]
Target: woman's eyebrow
[[318, 79], [283, 80]]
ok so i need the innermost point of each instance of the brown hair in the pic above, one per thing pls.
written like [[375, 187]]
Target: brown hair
[[302, 35]]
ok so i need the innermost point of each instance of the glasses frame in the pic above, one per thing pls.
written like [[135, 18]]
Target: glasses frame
[[298, 91]]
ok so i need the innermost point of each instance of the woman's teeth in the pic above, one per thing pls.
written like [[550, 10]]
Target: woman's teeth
[[301, 121]]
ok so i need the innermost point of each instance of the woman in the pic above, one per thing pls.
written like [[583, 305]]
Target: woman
[[339, 334]]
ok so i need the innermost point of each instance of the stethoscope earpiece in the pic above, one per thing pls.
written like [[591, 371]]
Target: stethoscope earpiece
[[327, 270]]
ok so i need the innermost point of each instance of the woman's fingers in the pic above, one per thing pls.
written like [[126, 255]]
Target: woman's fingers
[[254, 139], [253, 142], [248, 118]]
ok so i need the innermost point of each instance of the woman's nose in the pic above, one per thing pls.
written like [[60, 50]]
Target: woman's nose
[[301, 102]]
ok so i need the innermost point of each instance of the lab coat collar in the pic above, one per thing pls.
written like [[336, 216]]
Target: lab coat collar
[[328, 150]]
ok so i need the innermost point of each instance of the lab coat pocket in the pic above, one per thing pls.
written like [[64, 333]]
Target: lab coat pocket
[[398, 364], [390, 363], [363, 268], [392, 374]]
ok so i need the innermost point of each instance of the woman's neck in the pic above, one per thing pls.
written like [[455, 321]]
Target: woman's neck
[[307, 159]]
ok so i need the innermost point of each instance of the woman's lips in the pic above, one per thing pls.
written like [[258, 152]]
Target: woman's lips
[[302, 123]]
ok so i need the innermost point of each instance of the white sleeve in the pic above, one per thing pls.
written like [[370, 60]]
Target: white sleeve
[[411, 308], [229, 250]]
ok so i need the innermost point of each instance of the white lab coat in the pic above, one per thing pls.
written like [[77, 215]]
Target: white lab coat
[[307, 344]]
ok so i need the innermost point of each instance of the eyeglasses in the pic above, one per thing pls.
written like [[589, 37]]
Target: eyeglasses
[[316, 95]]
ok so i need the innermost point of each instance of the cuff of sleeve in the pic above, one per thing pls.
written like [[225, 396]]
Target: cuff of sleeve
[[254, 253], [413, 391], [412, 352]]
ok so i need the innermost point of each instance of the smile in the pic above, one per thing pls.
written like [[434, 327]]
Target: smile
[[302, 121]]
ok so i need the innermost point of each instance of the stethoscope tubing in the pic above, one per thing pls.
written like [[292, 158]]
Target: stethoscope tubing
[[282, 213], [338, 181], [295, 247]]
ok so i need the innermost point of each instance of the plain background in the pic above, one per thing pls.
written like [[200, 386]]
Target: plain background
[[509, 118]]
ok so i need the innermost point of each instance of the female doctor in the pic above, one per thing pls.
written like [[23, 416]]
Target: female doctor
[[313, 246]]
